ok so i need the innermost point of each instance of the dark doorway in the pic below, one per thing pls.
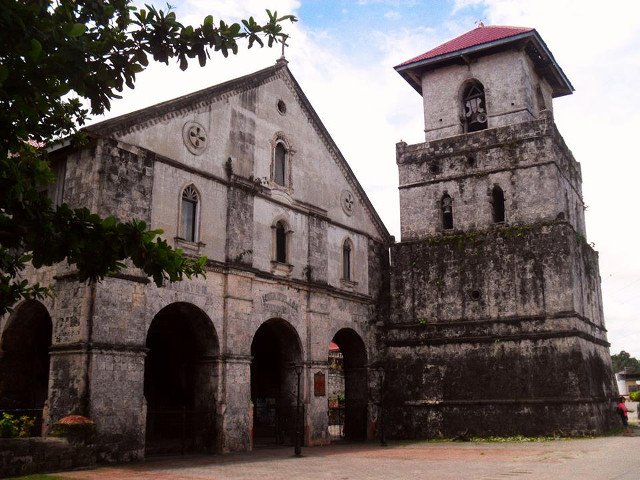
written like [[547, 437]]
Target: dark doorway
[[352, 403], [275, 351], [180, 381], [24, 362]]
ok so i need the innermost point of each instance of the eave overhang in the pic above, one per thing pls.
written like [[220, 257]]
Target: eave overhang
[[530, 41]]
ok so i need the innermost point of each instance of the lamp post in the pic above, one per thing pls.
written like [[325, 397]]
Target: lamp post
[[298, 447], [383, 441]]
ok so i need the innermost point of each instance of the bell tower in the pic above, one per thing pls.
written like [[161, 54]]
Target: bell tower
[[496, 324]]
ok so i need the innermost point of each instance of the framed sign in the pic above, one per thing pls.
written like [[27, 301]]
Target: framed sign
[[319, 384]]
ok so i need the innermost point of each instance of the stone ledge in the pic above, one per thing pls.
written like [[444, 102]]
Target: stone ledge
[[24, 456]]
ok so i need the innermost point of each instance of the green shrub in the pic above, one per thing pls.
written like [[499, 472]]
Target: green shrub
[[634, 396], [9, 426], [26, 424], [12, 426]]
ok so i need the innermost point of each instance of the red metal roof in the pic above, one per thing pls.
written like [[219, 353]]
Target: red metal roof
[[333, 347], [477, 36]]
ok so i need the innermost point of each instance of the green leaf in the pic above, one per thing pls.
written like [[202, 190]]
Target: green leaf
[[4, 74], [36, 49], [109, 222], [77, 29]]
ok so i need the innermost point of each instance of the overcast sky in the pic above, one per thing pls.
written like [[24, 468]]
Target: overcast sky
[[343, 52]]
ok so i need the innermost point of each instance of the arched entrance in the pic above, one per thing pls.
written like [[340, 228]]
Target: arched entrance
[[24, 362], [348, 387], [276, 351], [180, 381]]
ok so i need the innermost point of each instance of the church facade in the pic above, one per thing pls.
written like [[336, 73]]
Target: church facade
[[488, 320]]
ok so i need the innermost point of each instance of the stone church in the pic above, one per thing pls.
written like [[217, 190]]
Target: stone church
[[486, 318]]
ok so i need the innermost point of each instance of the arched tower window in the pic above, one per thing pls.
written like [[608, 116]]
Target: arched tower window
[[446, 205], [498, 204], [346, 260], [189, 214], [474, 110], [281, 242], [280, 164]]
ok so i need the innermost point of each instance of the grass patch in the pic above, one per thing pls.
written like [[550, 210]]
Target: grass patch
[[516, 439], [40, 476], [496, 439]]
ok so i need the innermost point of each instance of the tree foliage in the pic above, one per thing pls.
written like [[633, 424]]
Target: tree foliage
[[624, 360], [54, 55]]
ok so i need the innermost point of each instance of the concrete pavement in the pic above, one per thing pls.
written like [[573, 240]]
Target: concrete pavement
[[606, 458]]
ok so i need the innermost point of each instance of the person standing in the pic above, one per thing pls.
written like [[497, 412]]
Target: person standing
[[622, 410]]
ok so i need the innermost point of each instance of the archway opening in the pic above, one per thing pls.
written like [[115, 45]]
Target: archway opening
[[24, 362], [180, 381], [276, 351], [348, 390]]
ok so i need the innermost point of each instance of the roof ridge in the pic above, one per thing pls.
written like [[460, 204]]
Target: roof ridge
[[467, 39], [128, 120]]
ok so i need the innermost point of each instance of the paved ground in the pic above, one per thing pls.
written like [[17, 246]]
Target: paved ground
[[608, 458]]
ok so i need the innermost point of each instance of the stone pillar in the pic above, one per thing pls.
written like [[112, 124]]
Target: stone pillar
[[69, 360], [235, 408], [206, 402], [67, 382], [117, 402], [317, 413]]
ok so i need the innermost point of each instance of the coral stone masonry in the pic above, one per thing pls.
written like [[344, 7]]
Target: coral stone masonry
[[487, 321], [496, 324]]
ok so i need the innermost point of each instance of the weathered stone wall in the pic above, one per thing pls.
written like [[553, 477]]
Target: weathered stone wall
[[24, 456], [530, 162], [489, 329], [318, 243], [81, 178], [239, 230], [126, 181], [509, 79]]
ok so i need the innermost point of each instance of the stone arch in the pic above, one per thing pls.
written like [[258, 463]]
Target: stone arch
[[354, 364], [474, 113], [276, 350], [181, 380], [24, 360]]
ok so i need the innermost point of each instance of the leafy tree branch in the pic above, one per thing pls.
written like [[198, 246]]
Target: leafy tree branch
[[54, 55]]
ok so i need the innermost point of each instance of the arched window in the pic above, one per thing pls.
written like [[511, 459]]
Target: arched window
[[189, 214], [280, 164], [446, 205], [346, 260], [474, 110], [498, 204], [281, 243]]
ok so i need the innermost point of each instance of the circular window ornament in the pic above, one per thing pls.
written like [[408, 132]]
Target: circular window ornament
[[348, 202], [282, 107], [194, 137]]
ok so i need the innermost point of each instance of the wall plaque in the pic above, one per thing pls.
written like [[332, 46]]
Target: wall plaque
[[319, 384]]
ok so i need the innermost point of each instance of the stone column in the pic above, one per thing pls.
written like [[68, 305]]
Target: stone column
[[235, 408], [117, 402]]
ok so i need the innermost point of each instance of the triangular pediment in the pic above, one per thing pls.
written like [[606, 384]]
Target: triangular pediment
[[121, 127]]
